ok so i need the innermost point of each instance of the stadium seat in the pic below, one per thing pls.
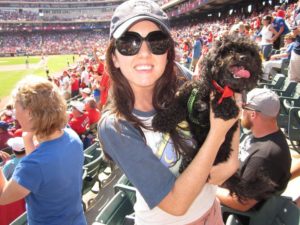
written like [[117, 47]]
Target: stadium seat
[[21, 220], [286, 103], [288, 88], [277, 210], [115, 211], [93, 163], [276, 83], [283, 69], [233, 220], [293, 131]]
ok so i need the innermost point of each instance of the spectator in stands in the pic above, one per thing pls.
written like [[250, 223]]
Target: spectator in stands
[[84, 78], [91, 110], [104, 88], [18, 149], [4, 135], [49, 180], [282, 29], [85, 92], [65, 85], [140, 62], [294, 68], [276, 59], [267, 33], [74, 85], [78, 121], [196, 51], [264, 154]]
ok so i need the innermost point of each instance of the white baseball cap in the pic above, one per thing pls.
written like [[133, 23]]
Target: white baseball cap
[[17, 144], [78, 105]]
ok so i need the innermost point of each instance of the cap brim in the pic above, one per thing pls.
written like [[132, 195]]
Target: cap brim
[[126, 25]]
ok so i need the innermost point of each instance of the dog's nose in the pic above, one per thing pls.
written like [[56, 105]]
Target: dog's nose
[[243, 58]]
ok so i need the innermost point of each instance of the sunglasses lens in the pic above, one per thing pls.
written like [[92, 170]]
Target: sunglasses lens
[[158, 42], [128, 44]]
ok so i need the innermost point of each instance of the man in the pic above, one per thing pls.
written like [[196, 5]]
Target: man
[[4, 135], [78, 121], [294, 68], [17, 146], [264, 155], [91, 110], [282, 29], [197, 48]]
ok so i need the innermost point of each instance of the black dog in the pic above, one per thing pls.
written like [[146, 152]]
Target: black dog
[[232, 65]]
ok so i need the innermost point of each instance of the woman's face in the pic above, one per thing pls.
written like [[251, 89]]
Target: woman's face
[[143, 69], [23, 116]]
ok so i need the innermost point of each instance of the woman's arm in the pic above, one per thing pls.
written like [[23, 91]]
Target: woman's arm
[[190, 183], [221, 172], [10, 191]]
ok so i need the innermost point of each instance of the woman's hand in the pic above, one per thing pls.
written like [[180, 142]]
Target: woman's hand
[[4, 156], [28, 138], [220, 126]]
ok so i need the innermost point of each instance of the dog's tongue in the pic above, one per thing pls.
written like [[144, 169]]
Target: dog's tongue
[[239, 71]]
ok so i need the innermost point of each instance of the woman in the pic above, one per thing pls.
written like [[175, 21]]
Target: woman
[[276, 59], [294, 68], [46, 177], [140, 61], [268, 35]]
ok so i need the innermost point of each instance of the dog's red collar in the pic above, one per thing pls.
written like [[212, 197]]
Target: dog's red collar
[[226, 91]]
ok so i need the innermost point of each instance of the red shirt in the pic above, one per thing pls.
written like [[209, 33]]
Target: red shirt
[[94, 115], [100, 68], [75, 84], [104, 84], [3, 139], [79, 124]]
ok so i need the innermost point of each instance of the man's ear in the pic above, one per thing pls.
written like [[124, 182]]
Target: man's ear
[[115, 61]]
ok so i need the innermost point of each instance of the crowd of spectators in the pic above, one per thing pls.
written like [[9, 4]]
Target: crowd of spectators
[[28, 15], [88, 78]]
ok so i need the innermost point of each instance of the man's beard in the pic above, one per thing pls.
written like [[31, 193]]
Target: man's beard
[[246, 122]]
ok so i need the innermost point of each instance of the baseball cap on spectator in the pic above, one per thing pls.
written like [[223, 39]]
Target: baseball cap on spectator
[[280, 13], [86, 90], [8, 112], [264, 101], [78, 105], [132, 11], [16, 143], [4, 125]]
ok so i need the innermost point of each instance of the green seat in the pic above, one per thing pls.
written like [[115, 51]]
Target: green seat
[[21, 220], [93, 163], [278, 210], [276, 83], [293, 131], [288, 89], [286, 103], [115, 210], [233, 220]]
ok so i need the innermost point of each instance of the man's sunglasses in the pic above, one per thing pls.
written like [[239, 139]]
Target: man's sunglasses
[[130, 43]]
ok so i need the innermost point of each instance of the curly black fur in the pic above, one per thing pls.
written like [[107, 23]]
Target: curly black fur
[[225, 54]]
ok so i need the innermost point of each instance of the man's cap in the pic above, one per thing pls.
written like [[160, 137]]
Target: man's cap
[[86, 90], [132, 11], [17, 144], [264, 101], [280, 13], [4, 125], [78, 105]]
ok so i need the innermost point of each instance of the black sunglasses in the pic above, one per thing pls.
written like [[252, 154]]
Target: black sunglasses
[[130, 43]]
